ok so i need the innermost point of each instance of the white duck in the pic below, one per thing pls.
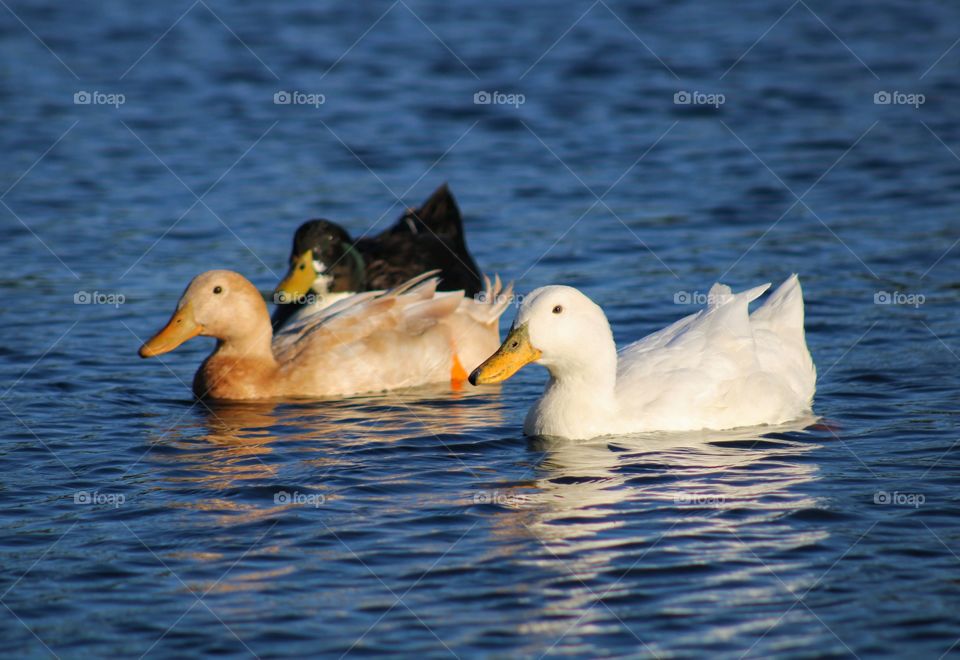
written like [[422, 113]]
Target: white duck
[[719, 368]]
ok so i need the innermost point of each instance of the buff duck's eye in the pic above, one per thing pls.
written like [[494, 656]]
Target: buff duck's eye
[[557, 309], [303, 266], [218, 289]]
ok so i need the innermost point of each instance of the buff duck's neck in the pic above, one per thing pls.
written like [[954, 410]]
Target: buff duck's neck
[[253, 341], [242, 366]]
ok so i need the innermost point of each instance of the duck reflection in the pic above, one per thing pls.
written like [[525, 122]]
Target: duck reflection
[[623, 516], [226, 444], [583, 492], [243, 463]]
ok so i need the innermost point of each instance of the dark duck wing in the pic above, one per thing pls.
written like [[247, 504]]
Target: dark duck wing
[[424, 239], [427, 238], [439, 215]]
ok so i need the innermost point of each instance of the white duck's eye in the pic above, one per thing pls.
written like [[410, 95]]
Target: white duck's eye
[[557, 309], [218, 289]]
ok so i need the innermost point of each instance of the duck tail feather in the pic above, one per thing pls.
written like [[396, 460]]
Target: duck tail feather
[[755, 292], [421, 315], [413, 283], [490, 304], [500, 300], [439, 215], [721, 294], [783, 311]]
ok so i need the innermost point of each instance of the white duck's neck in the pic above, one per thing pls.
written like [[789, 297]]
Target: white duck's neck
[[579, 400]]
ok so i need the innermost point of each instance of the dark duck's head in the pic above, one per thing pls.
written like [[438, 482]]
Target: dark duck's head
[[323, 260]]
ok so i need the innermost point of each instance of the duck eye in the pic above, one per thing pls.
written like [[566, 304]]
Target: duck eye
[[557, 309], [303, 266], [218, 289]]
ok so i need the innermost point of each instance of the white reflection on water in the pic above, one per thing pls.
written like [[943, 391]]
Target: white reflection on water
[[618, 516]]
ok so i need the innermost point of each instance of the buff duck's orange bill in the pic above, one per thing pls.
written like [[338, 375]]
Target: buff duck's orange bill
[[181, 327]]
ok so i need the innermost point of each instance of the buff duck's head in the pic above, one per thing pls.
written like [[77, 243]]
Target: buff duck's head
[[558, 327], [218, 303], [323, 260]]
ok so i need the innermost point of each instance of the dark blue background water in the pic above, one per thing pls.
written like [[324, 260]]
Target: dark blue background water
[[424, 523]]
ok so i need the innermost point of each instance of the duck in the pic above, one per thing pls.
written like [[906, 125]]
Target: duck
[[327, 264], [373, 341], [719, 368]]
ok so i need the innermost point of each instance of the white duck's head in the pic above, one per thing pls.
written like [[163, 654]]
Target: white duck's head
[[558, 327]]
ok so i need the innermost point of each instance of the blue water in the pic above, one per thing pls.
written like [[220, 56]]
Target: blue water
[[423, 523]]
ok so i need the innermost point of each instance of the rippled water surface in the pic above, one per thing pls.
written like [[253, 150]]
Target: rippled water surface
[[423, 523]]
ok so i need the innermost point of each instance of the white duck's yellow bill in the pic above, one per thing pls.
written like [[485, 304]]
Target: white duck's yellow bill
[[515, 352], [181, 327], [298, 280]]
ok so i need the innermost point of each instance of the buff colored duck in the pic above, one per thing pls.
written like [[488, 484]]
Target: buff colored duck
[[719, 368], [374, 341]]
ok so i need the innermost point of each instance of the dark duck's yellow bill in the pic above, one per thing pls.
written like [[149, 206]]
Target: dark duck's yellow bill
[[515, 352], [299, 279]]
